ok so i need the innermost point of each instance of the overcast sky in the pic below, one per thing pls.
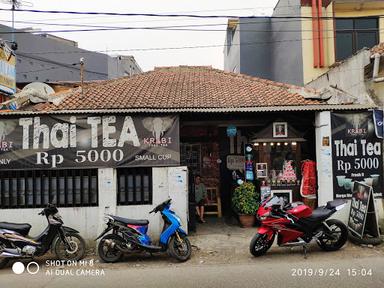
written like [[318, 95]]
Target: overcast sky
[[143, 39]]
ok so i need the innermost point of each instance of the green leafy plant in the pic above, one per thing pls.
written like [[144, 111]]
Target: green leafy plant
[[244, 199]]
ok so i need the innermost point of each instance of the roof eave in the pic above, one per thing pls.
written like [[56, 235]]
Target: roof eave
[[293, 108]]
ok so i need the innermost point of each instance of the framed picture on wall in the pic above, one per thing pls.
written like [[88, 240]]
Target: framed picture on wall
[[286, 194], [280, 129], [261, 170]]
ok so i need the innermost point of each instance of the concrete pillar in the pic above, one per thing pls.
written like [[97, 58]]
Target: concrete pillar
[[324, 157], [107, 194]]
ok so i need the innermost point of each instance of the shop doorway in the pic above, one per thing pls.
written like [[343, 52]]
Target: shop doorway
[[209, 151]]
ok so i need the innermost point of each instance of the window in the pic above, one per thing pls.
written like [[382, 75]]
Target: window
[[34, 189], [134, 186], [353, 34]]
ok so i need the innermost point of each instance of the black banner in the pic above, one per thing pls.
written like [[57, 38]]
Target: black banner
[[357, 154], [72, 141]]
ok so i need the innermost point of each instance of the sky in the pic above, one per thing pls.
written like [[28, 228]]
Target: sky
[[107, 41]]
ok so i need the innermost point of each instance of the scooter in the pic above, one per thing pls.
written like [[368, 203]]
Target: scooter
[[130, 235], [65, 242], [295, 224]]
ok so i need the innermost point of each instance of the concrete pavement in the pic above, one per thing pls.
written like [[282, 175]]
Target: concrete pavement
[[339, 272], [220, 259]]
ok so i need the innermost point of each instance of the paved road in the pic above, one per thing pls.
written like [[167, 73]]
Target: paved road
[[331, 272]]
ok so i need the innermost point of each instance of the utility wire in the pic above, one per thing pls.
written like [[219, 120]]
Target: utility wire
[[165, 28], [69, 66], [169, 27], [40, 70], [170, 15], [145, 27], [174, 48]]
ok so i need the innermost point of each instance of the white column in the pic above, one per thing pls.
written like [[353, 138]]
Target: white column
[[324, 157], [107, 194]]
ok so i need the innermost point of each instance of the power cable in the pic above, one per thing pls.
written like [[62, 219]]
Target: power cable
[[171, 15], [69, 66], [174, 48], [163, 27]]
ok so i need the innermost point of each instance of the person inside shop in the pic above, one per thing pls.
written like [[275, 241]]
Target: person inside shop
[[200, 197]]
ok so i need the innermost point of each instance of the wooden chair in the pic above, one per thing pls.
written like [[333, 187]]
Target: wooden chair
[[214, 202]]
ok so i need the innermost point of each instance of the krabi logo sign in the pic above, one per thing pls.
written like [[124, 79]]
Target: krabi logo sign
[[157, 126]]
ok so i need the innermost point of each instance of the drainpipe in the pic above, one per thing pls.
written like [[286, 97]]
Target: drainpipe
[[317, 29], [315, 34], [321, 39]]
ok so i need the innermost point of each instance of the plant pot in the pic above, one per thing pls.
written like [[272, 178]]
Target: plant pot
[[247, 221]]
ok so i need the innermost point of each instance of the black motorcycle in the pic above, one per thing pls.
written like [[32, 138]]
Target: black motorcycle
[[64, 241]]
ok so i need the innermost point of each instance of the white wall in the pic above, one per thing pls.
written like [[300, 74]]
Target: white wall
[[167, 182], [346, 81]]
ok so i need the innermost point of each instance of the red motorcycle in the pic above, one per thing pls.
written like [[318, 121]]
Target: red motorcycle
[[295, 224]]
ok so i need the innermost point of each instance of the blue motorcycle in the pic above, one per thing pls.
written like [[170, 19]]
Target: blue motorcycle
[[130, 236]]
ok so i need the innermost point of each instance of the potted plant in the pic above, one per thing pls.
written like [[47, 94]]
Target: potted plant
[[245, 204]]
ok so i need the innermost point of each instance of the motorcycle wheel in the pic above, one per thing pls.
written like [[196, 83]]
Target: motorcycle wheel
[[3, 262], [180, 250], [77, 250], [107, 252], [339, 234], [259, 244]]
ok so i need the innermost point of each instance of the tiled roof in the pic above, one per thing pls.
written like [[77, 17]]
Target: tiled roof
[[183, 87]]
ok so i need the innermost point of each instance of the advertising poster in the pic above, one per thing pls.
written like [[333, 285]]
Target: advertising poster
[[7, 70], [356, 152], [359, 208], [362, 216], [51, 141]]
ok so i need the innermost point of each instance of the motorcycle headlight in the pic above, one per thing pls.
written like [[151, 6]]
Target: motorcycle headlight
[[265, 216]]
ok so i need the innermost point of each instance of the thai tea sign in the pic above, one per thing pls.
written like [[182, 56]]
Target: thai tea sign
[[50, 141], [357, 154]]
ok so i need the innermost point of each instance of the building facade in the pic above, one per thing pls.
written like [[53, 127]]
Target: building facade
[[47, 58], [145, 140], [298, 50]]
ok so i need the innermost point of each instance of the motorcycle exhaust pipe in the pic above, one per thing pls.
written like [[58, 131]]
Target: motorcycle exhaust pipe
[[9, 253], [293, 244], [112, 245]]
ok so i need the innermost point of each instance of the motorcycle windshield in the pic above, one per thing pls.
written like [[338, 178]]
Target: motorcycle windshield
[[274, 201]]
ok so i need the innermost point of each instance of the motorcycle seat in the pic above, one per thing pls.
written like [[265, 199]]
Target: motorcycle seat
[[319, 214], [333, 204], [142, 222], [21, 228]]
